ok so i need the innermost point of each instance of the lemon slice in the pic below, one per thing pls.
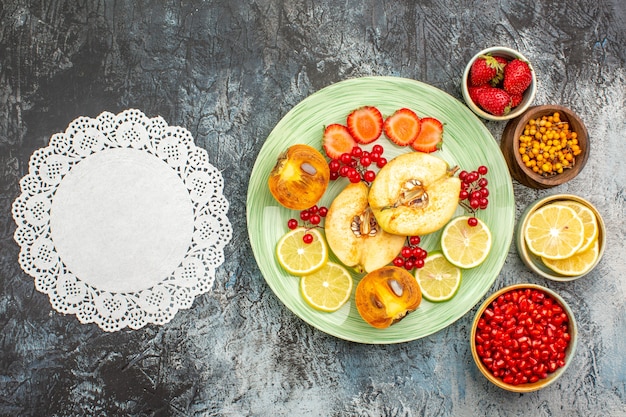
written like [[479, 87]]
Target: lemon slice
[[554, 231], [438, 278], [590, 224], [300, 258], [463, 245], [327, 289], [577, 264]]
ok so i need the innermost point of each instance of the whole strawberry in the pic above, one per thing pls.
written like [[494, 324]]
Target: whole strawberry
[[517, 76], [494, 100], [485, 69], [474, 91]]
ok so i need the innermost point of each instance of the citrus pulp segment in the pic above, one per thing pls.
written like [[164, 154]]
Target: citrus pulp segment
[[300, 258], [554, 231], [590, 224], [328, 288], [577, 264], [463, 245], [438, 278]]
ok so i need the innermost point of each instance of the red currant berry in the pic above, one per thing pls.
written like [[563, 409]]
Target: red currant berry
[[366, 161], [334, 165], [323, 211], [344, 171], [472, 221], [474, 203], [483, 203], [313, 209], [463, 194], [292, 224], [415, 240], [483, 182], [419, 263], [357, 152], [334, 175], [381, 162], [476, 195], [484, 192], [346, 158], [398, 261], [406, 252], [305, 215], [378, 149], [420, 253], [482, 170], [315, 219], [409, 264], [369, 176], [355, 178], [374, 156], [307, 238], [463, 175]]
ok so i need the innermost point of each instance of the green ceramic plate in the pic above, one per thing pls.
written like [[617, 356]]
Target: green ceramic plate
[[467, 143]]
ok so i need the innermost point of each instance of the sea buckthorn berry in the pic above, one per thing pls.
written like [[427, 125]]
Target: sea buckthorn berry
[[548, 146]]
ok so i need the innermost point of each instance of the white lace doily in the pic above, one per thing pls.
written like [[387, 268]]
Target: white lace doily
[[122, 220]]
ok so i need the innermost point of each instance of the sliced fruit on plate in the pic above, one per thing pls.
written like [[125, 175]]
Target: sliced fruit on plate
[[337, 140], [300, 258], [430, 137], [365, 124], [328, 288], [590, 224], [402, 127], [414, 194], [577, 264], [463, 245], [386, 295], [353, 234], [438, 278], [554, 231], [299, 178]]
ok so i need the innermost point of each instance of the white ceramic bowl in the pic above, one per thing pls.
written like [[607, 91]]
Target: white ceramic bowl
[[529, 94], [534, 262]]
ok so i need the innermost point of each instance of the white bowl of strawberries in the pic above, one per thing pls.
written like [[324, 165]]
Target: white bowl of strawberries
[[499, 83]]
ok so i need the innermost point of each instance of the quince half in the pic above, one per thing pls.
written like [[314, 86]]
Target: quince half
[[414, 194], [353, 234]]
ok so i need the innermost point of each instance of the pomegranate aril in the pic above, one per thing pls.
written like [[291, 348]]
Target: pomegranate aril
[[524, 335]]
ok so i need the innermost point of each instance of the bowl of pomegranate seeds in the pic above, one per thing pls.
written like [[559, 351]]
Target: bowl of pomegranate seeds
[[499, 83], [523, 337]]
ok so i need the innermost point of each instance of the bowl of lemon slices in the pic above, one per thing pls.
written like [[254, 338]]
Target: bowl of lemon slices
[[561, 237]]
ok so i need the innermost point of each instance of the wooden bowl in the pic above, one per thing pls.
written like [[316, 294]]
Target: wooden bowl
[[529, 94], [569, 351], [510, 146], [532, 261]]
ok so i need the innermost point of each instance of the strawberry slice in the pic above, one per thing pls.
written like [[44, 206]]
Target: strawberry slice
[[402, 127], [337, 140], [365, 124], [430, 137]]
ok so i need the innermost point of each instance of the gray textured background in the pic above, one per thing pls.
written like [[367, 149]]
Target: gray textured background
[[228, 71]]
